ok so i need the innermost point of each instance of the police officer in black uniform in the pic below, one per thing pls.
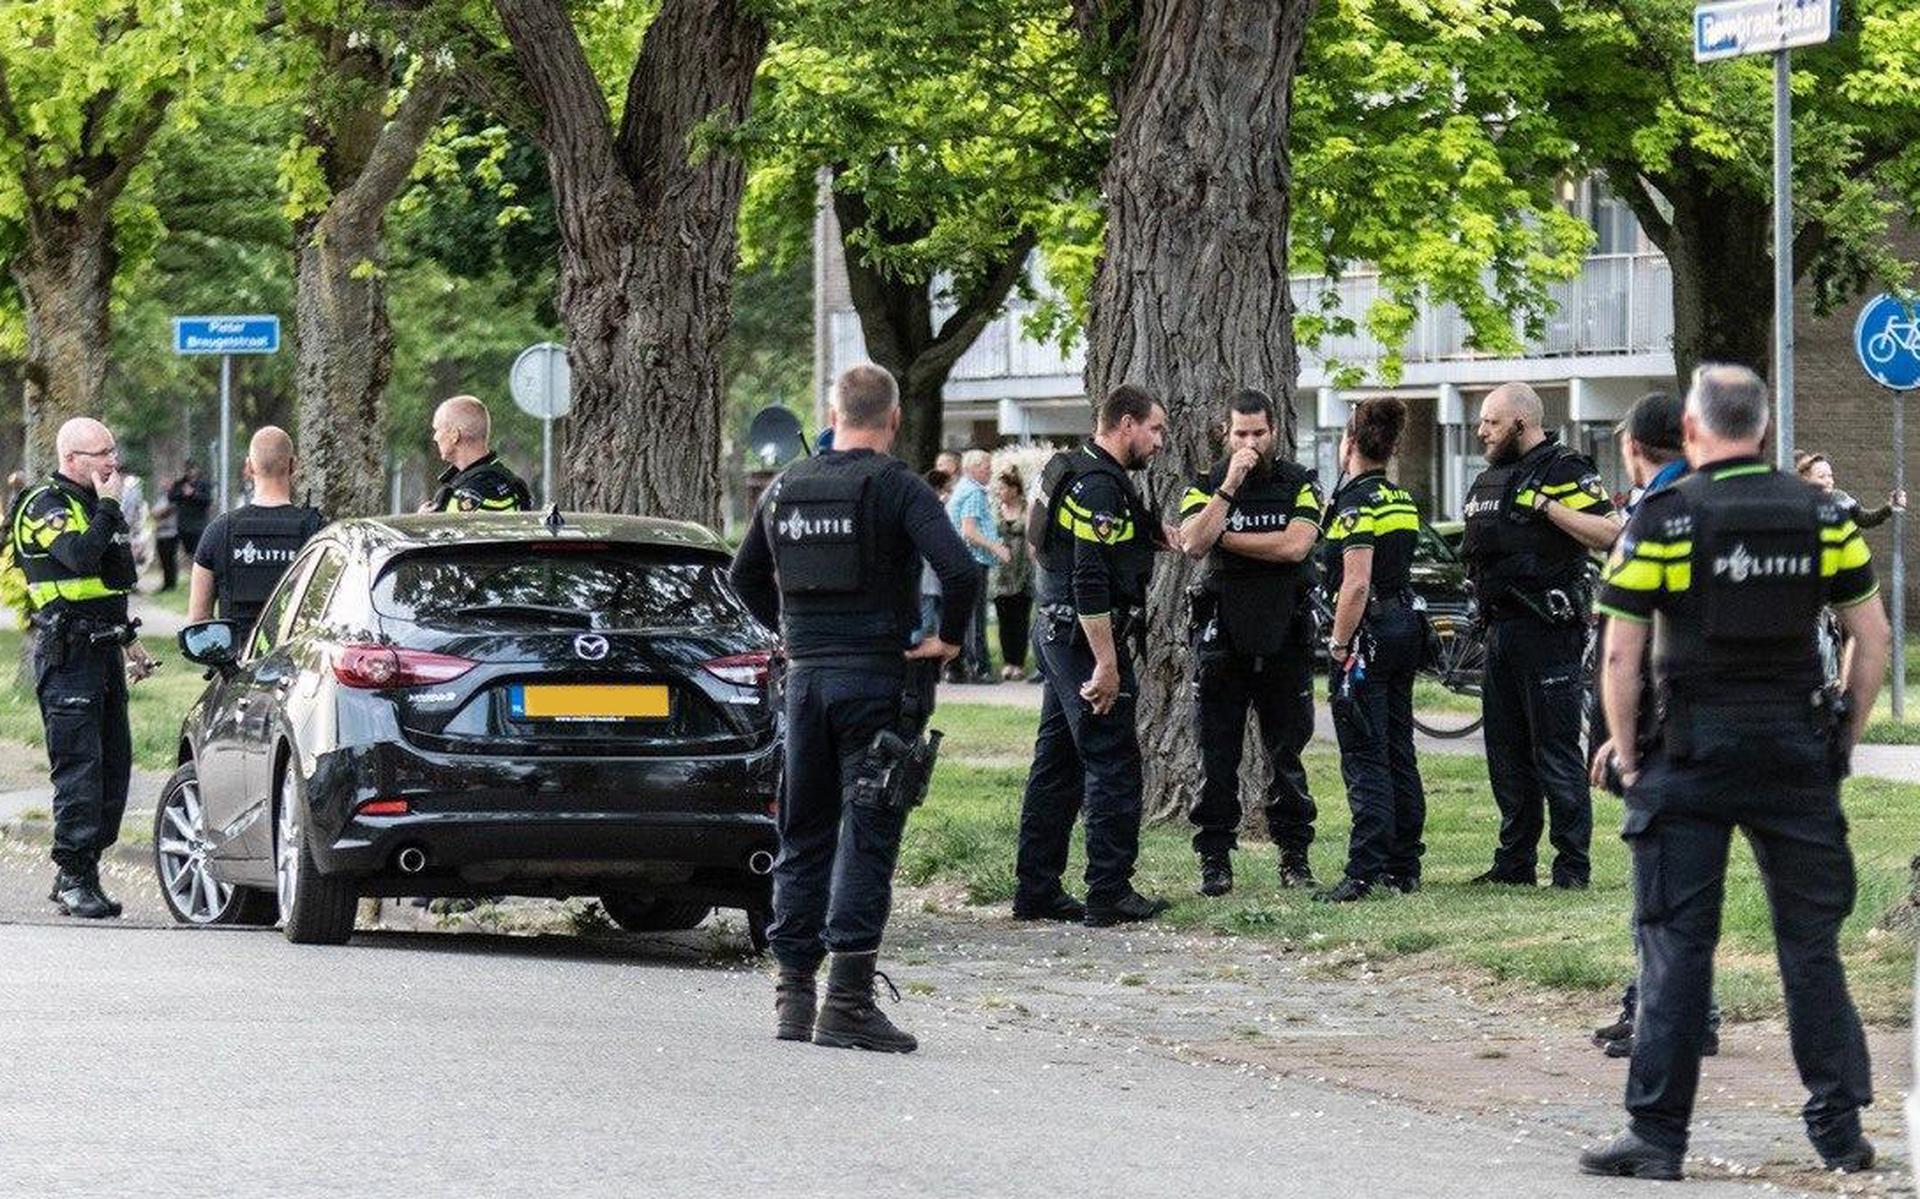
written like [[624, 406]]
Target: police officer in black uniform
[[1532, 518], [244, 553], [1096, 538], [475, 479], [1374, 648], [833, 560], [1732, 566], [70, 539], [1254, 519]]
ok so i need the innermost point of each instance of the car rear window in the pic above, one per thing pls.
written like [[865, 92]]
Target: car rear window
[[558, 586]]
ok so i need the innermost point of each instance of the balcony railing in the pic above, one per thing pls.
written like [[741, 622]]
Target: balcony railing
[[1618, 304]]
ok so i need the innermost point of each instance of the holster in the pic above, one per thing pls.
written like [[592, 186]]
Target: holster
[[1203, 618], [1833, 716], [898, 767]]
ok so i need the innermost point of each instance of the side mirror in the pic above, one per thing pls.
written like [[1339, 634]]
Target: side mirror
[[211, 643]]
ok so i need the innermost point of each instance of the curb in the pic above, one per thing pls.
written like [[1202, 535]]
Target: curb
[[40, 832]]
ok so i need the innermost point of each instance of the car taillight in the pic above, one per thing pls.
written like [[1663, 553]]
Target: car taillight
[[384, 807], [374, 667], [742, 670]]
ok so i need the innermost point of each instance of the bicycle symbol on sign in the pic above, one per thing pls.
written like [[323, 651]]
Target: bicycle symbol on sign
[[1898, 335]]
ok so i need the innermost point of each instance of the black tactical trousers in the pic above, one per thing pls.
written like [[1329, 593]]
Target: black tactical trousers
[[1532, 698], [83, 706], [833, 878], [1278, 690], [1080, 760], [1766, 773], [1374, 723]]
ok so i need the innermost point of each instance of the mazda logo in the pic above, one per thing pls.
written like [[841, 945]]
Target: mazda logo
[[591, 646]]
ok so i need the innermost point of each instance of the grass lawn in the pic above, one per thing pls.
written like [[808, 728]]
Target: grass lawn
[[154, 706], [966, 834]]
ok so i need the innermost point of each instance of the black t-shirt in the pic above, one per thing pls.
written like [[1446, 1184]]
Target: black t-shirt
[[911, 525], [192, 499], [1371, 513], [253, 543]]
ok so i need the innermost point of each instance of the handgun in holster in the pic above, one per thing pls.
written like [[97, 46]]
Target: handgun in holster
[[898, 767], [1833, 716]]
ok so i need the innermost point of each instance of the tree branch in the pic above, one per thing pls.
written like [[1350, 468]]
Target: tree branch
[[490, 77], [575, 127], [398, 146], [707, 39], [978, 307], [1631, 186], [120, 162], [31, 179]]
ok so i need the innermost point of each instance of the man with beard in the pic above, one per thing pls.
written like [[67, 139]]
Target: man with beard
[[1254, 521], [1096, 538], [1532, 518]]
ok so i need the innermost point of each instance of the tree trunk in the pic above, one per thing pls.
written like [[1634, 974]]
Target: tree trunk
[[1721, 257], [344, 341], [65, 276], [647, 246], [1191, 298], [896, 319]]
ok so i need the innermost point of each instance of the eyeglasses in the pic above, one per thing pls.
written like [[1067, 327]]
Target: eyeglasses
[[106, 453]]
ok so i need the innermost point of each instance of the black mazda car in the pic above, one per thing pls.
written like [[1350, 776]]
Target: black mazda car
[[479, 705]]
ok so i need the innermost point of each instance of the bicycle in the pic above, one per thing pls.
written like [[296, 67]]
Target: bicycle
[[1897, 336], [1460, 669]]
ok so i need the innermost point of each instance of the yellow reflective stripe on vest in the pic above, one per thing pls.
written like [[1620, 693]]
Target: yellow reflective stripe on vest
[[90, 587]]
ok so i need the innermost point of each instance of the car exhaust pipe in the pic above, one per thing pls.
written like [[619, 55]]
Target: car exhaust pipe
[[760, 862], [411, 860]]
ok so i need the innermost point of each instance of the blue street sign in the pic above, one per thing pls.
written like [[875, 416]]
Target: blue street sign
[[1734, 27], [1887, 338], [226, 334]]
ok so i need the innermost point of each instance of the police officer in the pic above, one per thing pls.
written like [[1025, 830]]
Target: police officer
[[1732, 566], [1254, 519], [475, 479], [1374, 649], [833, 559], [1532, 517], [244, 553], [1096, 539], [71, 542]]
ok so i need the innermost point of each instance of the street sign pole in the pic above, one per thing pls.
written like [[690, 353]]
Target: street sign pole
[[1900, 558], [1783, 255], [226, 428], [546, 441]]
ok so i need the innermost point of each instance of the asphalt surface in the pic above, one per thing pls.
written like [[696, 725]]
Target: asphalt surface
[[147, 1059]]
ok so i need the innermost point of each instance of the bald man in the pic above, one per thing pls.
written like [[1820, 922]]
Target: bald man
[[244, 553], [475, 479], [71, 542], [1533, 518]]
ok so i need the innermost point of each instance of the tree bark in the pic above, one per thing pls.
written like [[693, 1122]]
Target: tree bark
[[344, 343], [647, 246], [65, 278], [896, 319], [1191, 297]]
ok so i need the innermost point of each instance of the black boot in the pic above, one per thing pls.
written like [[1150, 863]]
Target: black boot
[[1295, 873], [74, 895], [849, 1019], [1347, 890], [93, 877], [1852, 1159], [793, 1004], [1216, 874], [1630, 1157], [1062, 907], [1130, 908]]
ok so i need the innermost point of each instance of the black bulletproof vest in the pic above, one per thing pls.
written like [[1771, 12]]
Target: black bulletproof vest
[[1755, 584], [1259, 600], [1054, 544], [261, 543], [823, 521], [1509, 549]]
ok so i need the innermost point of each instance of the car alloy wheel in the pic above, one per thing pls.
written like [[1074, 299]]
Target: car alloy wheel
[[286, 845], [181, 853]]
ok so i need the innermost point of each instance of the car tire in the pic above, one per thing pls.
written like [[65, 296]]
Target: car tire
[[314, 909], [180, 845], [645, 914]]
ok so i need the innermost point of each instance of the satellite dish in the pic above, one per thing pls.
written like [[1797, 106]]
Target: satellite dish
[[774, 437]]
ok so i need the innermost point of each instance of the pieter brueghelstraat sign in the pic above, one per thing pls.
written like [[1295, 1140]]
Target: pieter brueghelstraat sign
[[226, 334]]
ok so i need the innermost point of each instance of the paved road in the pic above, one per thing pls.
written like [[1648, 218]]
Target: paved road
[[423, 1064]]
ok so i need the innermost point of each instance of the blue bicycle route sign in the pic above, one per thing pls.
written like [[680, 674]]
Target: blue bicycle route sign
[[1887, 338], [226, 334]]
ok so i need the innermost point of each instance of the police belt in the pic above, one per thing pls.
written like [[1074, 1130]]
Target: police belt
[[1403, 598], [80, 631], [1126, 622], [1554, 606]]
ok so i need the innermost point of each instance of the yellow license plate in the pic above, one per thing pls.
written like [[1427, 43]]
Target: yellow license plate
[[591, 701]]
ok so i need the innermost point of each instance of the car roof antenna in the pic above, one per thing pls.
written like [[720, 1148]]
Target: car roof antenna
[[554, 521]]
